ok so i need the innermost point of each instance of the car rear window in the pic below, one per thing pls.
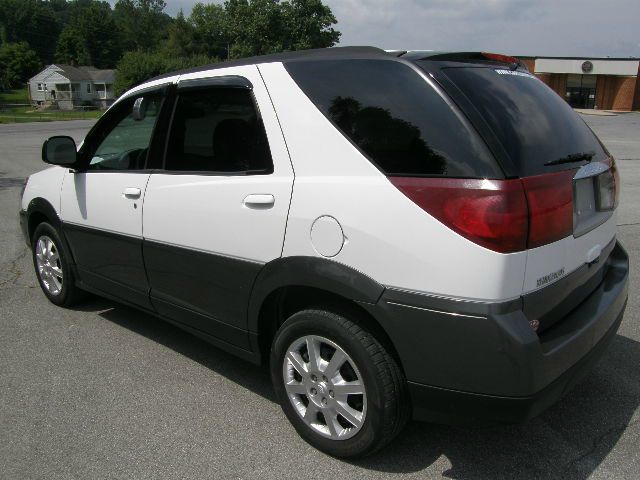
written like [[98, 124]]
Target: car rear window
[[395, 117], [534, 125]]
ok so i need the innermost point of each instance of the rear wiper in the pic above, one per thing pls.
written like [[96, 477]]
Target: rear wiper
[[574, 157]]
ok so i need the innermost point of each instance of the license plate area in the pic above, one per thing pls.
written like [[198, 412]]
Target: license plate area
[[593, 198]]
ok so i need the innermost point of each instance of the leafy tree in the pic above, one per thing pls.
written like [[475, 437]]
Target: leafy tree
[[309, 25], [211, 29], [96, 31], [142, 22], [136, 67], [31, 21], [71, 48], [181, 41], [18, 63], [257, 27], [242, 28]]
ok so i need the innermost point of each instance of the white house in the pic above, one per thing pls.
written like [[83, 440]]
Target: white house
[[69, 86]]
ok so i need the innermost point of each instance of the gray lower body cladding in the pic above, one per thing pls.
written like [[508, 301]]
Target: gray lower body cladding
[[470, 361]]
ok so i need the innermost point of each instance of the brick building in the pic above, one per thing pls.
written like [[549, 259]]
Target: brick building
[[602, 83]]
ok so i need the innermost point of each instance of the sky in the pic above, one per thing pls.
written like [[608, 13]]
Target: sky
[[518, 27]]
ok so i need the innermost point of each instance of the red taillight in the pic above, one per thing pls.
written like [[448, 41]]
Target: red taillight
[[491, 213], [497, 57], [502, 215], [550, 198]]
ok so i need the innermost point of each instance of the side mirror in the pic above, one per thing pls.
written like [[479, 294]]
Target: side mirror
[[60, 151], [139, 110]]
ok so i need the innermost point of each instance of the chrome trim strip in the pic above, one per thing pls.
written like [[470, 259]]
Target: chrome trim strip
[[436, 311], [591, 170]]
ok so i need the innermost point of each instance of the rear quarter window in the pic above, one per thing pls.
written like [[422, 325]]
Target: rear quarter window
[[395, 117]]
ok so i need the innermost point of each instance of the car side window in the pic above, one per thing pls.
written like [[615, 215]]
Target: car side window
[[124, 143], [218, 130]]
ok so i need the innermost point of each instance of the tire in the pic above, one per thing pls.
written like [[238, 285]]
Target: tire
[[53, 267], [373, 418]]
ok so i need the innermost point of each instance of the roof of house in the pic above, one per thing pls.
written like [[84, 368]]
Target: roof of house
[[83, 73]]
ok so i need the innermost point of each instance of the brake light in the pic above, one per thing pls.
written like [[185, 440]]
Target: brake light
[[550, 198], [497, 57], [505, 216], [491, 213]]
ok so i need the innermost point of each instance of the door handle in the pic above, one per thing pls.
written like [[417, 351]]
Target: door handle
[[259, 201], [132, 192]]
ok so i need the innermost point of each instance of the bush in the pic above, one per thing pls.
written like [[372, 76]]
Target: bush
[[136, 67]]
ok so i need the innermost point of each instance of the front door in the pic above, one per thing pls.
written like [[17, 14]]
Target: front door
[[217, 211], [101, 205]]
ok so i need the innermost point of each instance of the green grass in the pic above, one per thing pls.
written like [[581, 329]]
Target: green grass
[[14, 96], [27, 113]]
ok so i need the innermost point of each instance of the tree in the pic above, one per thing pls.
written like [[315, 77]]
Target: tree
[[243, 28], [136, 67], [309, 25], [181, 40], [71, 48], [142, 22], [211, 29], [31, 21], [96, 34], [18, 63]]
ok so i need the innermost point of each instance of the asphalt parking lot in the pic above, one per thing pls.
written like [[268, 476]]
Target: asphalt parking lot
[[103, 391]]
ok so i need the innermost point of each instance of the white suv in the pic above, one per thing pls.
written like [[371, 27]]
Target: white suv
[[399, 234]]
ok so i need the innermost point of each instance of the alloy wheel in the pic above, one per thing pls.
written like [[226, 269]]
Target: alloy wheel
[[325, 387]]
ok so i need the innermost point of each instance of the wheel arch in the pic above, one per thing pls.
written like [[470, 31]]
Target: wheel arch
[[290, 284], [38, 211]]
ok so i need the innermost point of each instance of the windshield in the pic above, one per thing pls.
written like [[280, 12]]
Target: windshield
[[539, 131]]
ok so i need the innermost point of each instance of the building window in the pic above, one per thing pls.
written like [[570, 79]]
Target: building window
[[88, 88], [40, 87]]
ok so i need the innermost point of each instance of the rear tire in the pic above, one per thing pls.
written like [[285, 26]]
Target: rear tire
[[349, 411], [53, 267]]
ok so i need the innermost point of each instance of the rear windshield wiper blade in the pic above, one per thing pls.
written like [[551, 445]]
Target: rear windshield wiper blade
[[574, 157]]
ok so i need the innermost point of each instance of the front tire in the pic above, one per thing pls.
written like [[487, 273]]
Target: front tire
[[53, 268], [337, 384]]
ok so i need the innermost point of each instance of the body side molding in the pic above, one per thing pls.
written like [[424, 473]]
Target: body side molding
[[313, 272]]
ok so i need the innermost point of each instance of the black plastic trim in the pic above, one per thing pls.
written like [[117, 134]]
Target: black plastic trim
[[550, 304], [226, 81], [207, 290], [109, 261], [24, 226], [312, 272], [315, 54], [491, 348], [441, 405]]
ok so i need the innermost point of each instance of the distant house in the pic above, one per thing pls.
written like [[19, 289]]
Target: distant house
[[68, 86]]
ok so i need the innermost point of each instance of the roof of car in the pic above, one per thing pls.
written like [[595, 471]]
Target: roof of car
[[319, 53]]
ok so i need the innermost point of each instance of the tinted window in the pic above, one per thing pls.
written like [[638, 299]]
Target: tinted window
[[532, 122], [217, 130], [123, 139], [395, 117]]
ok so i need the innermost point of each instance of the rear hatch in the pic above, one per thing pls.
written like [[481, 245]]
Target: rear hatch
[[568, 176]]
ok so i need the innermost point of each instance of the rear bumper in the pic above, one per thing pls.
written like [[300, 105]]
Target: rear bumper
[[478, 362], [441, 405]]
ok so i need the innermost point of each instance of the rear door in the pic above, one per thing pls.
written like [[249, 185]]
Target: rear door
[[101, 205], [217, 210]]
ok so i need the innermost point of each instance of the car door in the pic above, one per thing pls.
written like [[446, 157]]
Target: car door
[[101, 203], [217, 211]]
